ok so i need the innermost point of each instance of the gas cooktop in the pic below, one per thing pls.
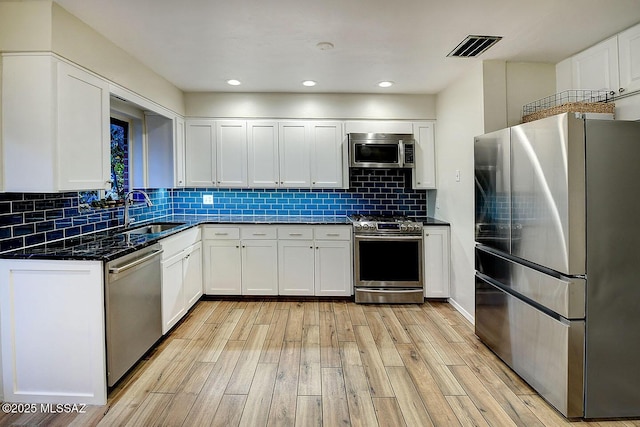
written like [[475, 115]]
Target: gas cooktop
[[385, 224]]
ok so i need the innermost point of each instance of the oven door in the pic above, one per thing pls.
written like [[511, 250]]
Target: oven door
[[388, 261]]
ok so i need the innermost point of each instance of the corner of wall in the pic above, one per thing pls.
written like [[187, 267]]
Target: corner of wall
[[76, 41], [494, 80]]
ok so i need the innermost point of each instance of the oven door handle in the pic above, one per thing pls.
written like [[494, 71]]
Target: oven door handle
[[391, 290], [387, 237]]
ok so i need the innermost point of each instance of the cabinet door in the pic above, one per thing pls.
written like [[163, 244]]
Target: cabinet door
[[178, 152], [200, 153], [83, 135], [192, 273], [160, 149], [436, 262], [294, 155], [259, 267], [597, 67], [263, 161], [629, 59], [231, 143], [377, 126], [424, 173], [222, 267], [334, 276], [326, 155], [296, 267], [173, 301]]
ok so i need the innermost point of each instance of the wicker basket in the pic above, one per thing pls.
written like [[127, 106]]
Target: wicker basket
[[573, 101]]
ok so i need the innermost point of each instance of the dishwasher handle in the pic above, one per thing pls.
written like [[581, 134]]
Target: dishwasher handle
[[137, 261]]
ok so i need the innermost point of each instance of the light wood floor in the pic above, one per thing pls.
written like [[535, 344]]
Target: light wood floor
[[313, 363]]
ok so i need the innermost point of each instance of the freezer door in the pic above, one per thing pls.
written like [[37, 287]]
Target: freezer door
[[548, 189], [562, 295], [492, 190], [546, 352]]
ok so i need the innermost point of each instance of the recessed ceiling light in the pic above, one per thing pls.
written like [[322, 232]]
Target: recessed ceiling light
[[234, 82], [385, 84], [325, 46], [309, 83]]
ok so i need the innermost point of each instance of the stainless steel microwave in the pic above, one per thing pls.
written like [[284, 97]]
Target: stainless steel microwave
[[381, 150]]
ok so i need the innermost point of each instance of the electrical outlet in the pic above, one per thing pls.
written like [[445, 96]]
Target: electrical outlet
[[207, 199]]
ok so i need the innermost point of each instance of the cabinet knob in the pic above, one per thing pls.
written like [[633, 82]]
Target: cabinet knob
[[621, 90], [310, 247], [613, 92]]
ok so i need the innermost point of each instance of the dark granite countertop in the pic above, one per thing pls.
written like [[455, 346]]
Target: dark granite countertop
[[110, 244]]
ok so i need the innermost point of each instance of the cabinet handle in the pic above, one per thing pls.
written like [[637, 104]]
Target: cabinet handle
[[259, 234], [295, 234], [221, 234], [333, 234]]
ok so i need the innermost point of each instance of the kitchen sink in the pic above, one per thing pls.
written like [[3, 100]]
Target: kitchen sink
[[154, 228]]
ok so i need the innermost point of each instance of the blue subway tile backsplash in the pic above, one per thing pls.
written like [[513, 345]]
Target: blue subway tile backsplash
[[28, 219]]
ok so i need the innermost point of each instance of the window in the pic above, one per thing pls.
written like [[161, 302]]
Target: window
[[119, 159], [119, 167]]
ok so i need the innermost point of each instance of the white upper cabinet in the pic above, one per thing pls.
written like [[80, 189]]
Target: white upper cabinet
[[200, 153], [629, 59], [327, 165], [424, 173], [231, 153], [294, 154], [55, 125], [179, 152], [612, 65], [263, 160], [597, 67], [160, 161]]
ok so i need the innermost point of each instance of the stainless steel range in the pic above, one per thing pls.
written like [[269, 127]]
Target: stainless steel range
[[388, 259]]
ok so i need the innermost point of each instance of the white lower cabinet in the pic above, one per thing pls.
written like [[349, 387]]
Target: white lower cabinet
[[240, 260], [53, 331], [259, 267], [437, 261], [296, 267], [181, 276], [333, 274], [278, 260], [222, 267]]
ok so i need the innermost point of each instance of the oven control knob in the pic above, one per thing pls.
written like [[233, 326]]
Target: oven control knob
[[410, 227], [403, 227], [358, 227]]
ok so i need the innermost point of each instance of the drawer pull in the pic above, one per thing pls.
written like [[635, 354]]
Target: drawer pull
[[333, 234], [259, 234], [295, 234], [221, 234]]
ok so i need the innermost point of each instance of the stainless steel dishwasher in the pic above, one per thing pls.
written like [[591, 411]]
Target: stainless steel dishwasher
[[133, 309]]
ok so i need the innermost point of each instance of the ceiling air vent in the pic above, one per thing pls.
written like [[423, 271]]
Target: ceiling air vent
[[473, 46]]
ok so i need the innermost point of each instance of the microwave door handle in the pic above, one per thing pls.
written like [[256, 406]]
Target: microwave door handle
[[401, 154]]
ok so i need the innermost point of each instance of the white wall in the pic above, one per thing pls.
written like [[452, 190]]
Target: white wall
[[76, 41], [460, 117], [44, 26], [315, 105], [25, 26], [527, 82]]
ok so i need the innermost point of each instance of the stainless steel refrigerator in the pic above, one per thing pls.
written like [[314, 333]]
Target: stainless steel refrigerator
[[558, 259]]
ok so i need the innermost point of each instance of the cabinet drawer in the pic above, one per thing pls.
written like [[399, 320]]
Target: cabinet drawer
[[258, 233], [295, 233], [222, 233], [177, 243], [329, 232]]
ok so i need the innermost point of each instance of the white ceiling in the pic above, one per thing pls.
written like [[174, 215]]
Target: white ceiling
[[270, 45]]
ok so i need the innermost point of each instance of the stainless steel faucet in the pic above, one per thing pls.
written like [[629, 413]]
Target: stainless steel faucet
[[128, 201]]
